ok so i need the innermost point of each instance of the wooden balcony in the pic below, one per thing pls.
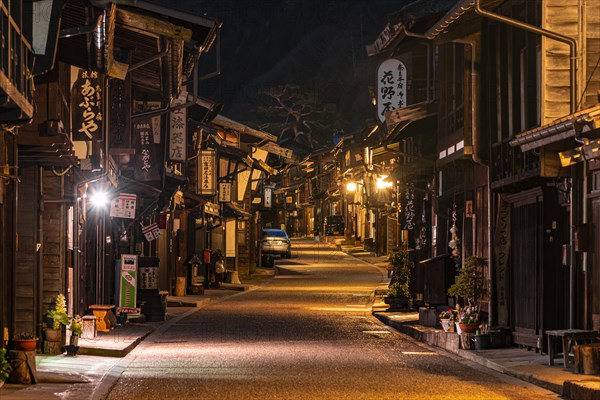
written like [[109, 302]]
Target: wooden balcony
[[511, 166], [16, 98]]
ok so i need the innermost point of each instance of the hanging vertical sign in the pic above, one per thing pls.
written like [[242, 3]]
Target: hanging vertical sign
[[151, 231], [409, 209], [268, 197], [128, 284], [86, 105], [119, 112], [391, 87], [123, 206], [206, 172], [502, 256], [225, 192], [146, 166], [178, 130]]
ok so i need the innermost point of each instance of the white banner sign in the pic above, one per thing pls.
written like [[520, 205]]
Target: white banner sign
[[123, 206], [206, 172], [268, 196], [391, 87], [225, 192]]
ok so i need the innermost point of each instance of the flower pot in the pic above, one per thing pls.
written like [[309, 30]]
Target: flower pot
[[447, 325], [53, 335], [25, 344], [71, 350], [482, 342], [74, 340], [468, 328]]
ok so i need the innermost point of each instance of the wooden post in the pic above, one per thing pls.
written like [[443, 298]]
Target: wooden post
[[23, 365], [53, 348], [587, 358]]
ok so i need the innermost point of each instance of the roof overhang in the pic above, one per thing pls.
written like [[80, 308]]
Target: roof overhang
[[461, 14], [563, 128], [400, 121]]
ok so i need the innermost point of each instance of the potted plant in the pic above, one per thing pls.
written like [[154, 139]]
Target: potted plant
[[76, 328], [59, 317], [399, 295], [470, 284], [26, 341], [5, 368], [468, 319], [447, 319]]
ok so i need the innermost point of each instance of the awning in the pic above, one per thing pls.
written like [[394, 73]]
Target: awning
[[417, 116], [563, 128], [234, 210]]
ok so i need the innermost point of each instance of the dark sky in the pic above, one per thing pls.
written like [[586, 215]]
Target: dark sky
[[316, 44]]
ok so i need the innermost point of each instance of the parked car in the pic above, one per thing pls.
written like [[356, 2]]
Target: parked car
[[275, 242], [334, 225]]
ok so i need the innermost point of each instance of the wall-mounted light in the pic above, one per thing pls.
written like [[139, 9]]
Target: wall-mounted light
[[351, 187], [382, 183]]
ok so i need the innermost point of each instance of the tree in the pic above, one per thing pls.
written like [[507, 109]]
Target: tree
[[300, 117], [471, 283]]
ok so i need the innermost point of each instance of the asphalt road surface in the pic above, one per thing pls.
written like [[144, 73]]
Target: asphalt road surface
[[306, 334]]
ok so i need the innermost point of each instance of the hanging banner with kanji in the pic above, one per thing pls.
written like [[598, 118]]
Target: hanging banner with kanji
[[119, 112], [86, 106], [146, 162], [206, 184], [178, 130], [123, 206], [391, 87], [225, 192]]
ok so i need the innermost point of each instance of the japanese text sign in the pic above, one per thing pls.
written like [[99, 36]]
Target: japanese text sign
[[206, 172], [391, 87], [225, 192], [123, 206], [146, 163], [178, 130], [87, 106]]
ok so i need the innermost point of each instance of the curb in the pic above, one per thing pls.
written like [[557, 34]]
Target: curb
[[576, 389], [119, 353]]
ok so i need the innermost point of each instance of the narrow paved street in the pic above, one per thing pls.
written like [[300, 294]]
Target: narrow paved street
[[307, 334]]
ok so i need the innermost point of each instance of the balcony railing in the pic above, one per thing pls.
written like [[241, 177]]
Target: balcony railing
[[16, 97], [511, 165]]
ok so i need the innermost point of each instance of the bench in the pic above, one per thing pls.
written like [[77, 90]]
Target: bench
[[102, 313], [569, 338]]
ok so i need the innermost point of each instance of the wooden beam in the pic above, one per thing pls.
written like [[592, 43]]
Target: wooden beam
[[153, 25]]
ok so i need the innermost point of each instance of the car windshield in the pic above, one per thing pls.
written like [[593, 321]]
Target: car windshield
[[274, 233]]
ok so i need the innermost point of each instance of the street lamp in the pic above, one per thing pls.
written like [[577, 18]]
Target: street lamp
[[99, 199], [351, 187]]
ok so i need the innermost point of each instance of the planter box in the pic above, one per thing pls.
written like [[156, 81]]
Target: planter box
[[428, 317]]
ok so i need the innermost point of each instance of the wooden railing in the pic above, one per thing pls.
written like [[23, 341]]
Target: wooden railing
[[510, 164]]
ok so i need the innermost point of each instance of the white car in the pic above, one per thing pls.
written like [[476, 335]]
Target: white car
[[275, 241]]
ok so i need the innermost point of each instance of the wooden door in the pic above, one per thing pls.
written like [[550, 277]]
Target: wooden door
[[525, 257]]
